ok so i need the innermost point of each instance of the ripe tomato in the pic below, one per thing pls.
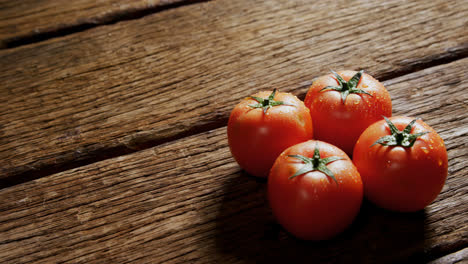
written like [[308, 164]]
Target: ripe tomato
[[262, 126], [314, 190], [344, 104], [402, 162]]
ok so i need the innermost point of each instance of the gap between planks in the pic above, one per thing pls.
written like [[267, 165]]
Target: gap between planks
[[89, 23], [140, 144]]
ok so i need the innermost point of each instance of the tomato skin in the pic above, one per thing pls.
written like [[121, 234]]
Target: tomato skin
[[257, 138], [340, 123], [398, 178], [312, 206]]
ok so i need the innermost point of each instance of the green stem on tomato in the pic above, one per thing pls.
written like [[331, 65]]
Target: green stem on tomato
[[398, 137], [347, 87], [267, 103], [315, 164]]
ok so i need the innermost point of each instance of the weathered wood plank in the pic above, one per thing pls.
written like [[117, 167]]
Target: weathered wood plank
[[459, 257], [26, 20], [187, 200], [116, 89]]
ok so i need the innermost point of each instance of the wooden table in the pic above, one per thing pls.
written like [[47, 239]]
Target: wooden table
[[113, 125]]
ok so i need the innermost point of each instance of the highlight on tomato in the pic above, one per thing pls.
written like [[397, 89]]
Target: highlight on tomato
[[261, 126], [343, 104], [314, 190], [403, 163]]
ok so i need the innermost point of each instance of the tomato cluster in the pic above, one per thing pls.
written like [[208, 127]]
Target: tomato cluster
[[314, 189]]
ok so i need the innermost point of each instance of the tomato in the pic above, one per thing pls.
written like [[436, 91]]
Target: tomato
[[260, 127], [342, 105], [403, 163], [314, 190]]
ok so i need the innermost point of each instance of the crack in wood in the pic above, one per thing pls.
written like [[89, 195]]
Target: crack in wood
[[89, 23]]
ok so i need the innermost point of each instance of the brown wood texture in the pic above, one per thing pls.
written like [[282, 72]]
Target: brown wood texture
[[188, 201], [116, 89], [23, 21]]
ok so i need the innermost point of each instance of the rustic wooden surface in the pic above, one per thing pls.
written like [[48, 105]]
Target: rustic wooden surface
[[460, 257], [109, 91], [32, 20], [112, 126], [187, 200]]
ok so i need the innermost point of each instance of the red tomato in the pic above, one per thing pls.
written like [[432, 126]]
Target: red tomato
[[305, 200], [344, 104], [398, 175], [262, 126]]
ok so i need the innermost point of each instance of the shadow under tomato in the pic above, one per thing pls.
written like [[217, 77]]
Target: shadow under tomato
[[247, 231]]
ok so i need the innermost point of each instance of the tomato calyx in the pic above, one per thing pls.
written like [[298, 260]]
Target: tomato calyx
[[315, 164], [347, 87], [398, 137], [267, 103]]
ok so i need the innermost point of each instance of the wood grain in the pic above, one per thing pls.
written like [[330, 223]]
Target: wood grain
[[188, 201], [29, 20], [459, 257], [120, 88]]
